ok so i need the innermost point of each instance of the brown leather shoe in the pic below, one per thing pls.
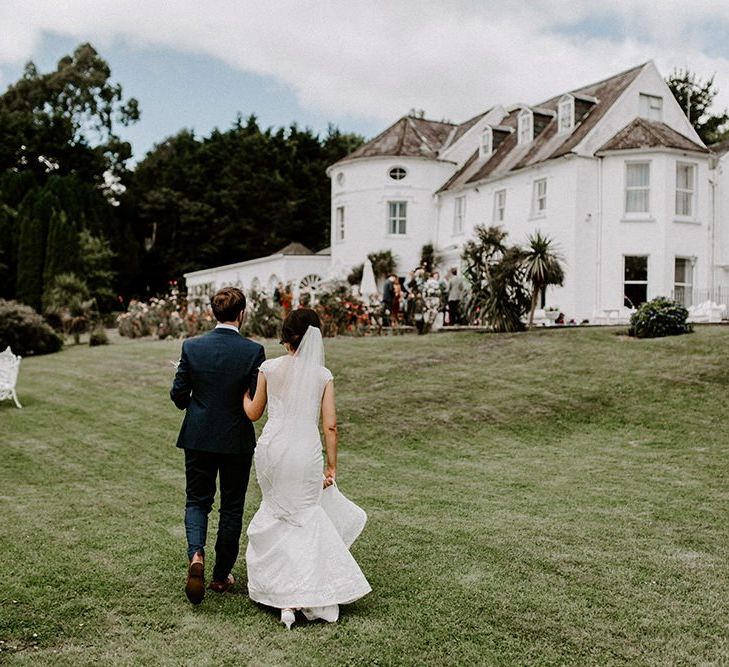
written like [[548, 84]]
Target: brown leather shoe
[[222, 586], [195, 584]]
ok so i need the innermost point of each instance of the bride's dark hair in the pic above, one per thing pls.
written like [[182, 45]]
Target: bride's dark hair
[[295, 325]]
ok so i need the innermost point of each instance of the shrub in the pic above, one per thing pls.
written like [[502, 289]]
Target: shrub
[[659, 317], [340, 311], [355, 275], [68, 305], [98, 337], [165, 317], [263, 318], [383, 263], [25, 331]]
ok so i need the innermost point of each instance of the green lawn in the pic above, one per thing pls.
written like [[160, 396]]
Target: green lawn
[[544, 498]]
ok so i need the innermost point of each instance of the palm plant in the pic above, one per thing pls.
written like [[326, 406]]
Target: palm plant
[[542, 267], [429, 258], [495, 276], [383, 263], [69, 304]]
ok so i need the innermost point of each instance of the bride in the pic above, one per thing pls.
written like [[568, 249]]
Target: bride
[[298, 541]]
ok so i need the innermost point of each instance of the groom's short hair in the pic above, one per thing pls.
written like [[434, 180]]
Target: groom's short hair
[[228, 303]]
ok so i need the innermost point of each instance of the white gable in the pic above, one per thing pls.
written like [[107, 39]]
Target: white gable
[[628, 107]]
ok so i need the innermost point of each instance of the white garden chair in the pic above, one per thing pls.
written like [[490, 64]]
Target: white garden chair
[[9, 367]]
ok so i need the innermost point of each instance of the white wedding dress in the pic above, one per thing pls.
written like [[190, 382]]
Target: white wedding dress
[[298, 541]]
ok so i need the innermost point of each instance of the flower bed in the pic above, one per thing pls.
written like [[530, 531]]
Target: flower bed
[[165, 317]]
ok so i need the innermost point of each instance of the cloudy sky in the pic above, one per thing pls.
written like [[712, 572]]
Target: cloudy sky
[[359, 64]]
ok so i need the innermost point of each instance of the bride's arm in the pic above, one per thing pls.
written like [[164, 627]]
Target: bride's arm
[[254, 407], [331, 438]]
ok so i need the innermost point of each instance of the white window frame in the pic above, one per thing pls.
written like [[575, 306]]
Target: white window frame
[[397, 217], [636, 215], [499, 205], [486, 147], [687, 285], [398, 168], [653, 106], [690, 191], [565, 114], [459, 214], [339, 224], [526, 126], [637, 282], [539, 198]]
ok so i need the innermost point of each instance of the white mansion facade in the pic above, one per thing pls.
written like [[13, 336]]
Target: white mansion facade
[[614, 172]]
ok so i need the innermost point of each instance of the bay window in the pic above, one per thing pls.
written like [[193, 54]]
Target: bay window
[[637, 187]]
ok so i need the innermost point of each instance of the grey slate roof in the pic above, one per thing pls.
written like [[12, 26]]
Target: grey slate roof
[[591, 103], [294, 248], [643, 133], [410, 136]]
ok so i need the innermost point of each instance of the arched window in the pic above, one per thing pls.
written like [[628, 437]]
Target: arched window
[[526, 126], [273, 282], [487, 143], [566, 114], [310, 283]]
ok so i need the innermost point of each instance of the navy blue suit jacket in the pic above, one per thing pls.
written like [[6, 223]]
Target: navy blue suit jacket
[[214, 373]]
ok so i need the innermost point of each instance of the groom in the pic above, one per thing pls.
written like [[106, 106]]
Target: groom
[[214, 373]]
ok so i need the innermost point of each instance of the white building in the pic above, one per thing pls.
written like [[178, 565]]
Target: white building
[[293, 265], [613, 172]]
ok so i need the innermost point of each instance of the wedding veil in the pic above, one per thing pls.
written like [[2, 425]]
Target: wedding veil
[[302, 386], [311, 348]]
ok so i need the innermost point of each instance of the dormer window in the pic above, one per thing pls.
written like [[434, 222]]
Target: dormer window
[[650, 107], [566, 114], [487, 143], [526, 126]]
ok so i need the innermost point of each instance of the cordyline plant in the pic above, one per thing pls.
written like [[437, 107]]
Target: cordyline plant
[[496, 277], [542, 267]]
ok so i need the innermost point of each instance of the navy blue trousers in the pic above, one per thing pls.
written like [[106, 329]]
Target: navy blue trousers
[[202, 470]]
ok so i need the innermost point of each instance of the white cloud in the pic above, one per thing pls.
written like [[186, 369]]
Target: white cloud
[[381, 58]]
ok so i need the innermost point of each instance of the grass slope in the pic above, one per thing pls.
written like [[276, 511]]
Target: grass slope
[[543, 498]]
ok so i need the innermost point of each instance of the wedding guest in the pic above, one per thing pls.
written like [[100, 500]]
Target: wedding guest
[[455, 294], [410, 288], [397, 302], [388, 296], [278, 293], [287, 299]]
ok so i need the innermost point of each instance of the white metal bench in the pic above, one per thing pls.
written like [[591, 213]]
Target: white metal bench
[[9, 367]]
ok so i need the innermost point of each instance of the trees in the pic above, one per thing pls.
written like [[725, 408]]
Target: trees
[[192, 202], [234, 195], [59, 148], [695, 98], [34, 218], [62, 248], [63, 121], [542, 267], [96, 260]]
